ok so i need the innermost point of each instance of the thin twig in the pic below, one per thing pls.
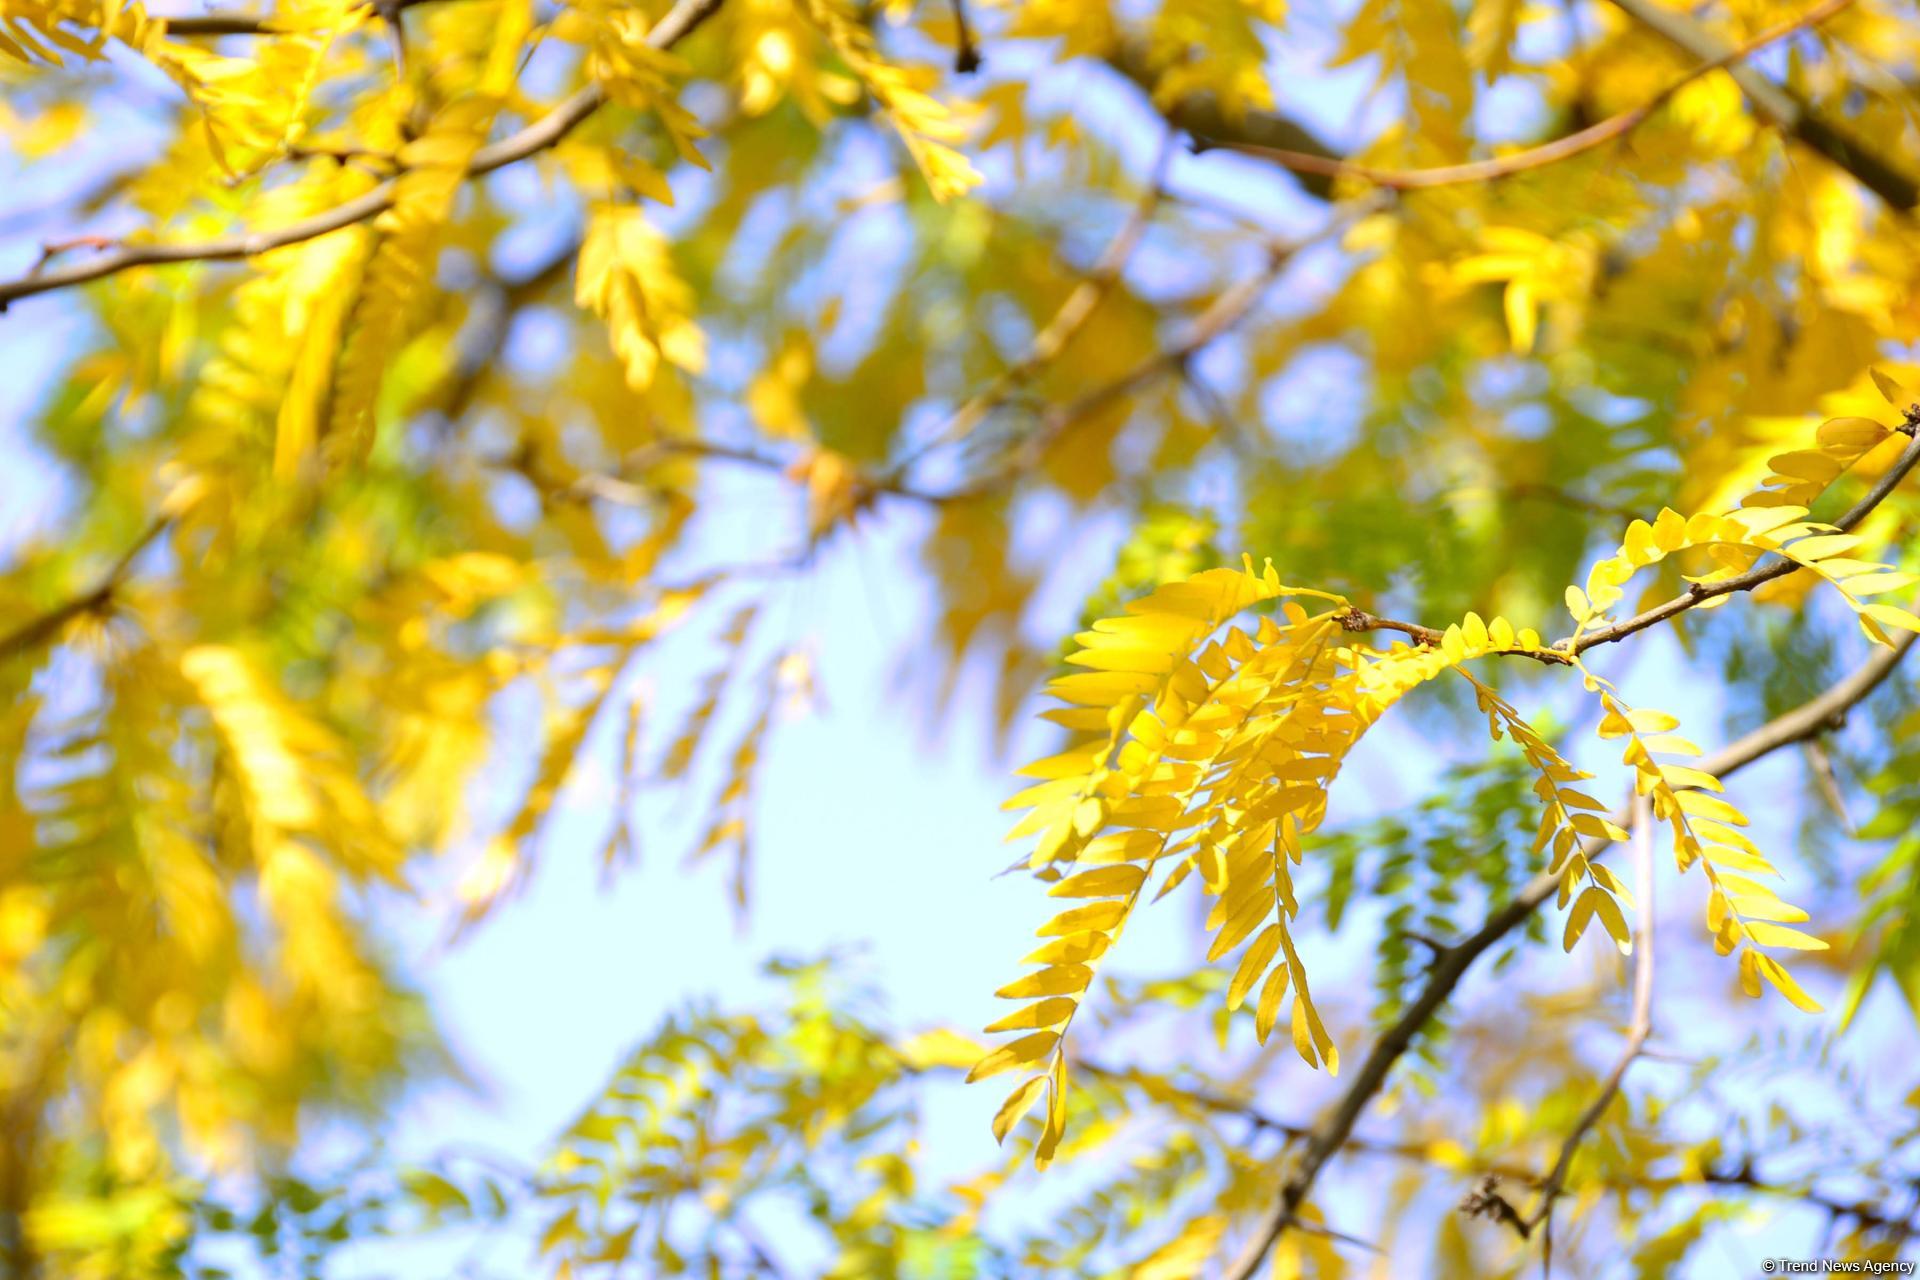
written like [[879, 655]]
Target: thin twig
[[763, 1258], [1813, 717], [1067, 322], [1444, 1155], [1700, 592], [680, 21], [222, 22], [1202, 114], [1790, 113], [1638, 1029], [509, 297], [620, 487], [40, 630], [966, 53], [1567, 648], [1547, 153], [1227, 311], [1357, 619], [54, 248]]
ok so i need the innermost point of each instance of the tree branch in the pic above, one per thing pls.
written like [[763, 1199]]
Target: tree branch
[[1066, 323], [1537, 157], [1357, 619], [506, 299], [1638, 1029], [1566, 649], [1816, 716], [1740, 1176], [680, 21], [1201, 115], [1227, 311], [1791, 113], [966, 53], [222, 22], [40, 630], [1703, 591]]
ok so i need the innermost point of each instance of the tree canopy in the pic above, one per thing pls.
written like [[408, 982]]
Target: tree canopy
[[1324, 439]]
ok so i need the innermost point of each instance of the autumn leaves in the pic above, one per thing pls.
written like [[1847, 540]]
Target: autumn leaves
[[1204, 746]]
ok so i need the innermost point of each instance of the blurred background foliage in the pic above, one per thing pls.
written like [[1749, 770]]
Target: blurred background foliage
[[339, 558]]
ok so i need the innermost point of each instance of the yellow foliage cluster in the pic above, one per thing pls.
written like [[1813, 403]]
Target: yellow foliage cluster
[[1212, 747]]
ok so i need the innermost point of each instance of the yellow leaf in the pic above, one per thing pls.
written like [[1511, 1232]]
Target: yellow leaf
[[1050, 1012], [1615, 924], [1583, 908], [1764, 906], [1808, 550], [1872, 584], [1892, 616], [1588, 824], [1775, 973], [1253, 964], [1075, 948], [1269, 1008], [1028, 1048], [1475, 633], [941, 1047], [1896, 394], [1055, 980], [1775, 935], [1302, 1038], [1101, 882], [1018, 1103], [1577, 604], [1703, 805], [1056, 1125], [1852, 433], [1094, 915], [1522, 315], [627, 278]]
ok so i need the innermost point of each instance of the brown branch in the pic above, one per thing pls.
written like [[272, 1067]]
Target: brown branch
[[1227, 310], [1740, 1176], [1202, 116], [966, 53], [1703, 591], [1865, 1212], [508, 297], [227, 23], [1638, 1029], [52, 249], [1066, 323], [38, 631], [1485, 1199], [1357, 619], [1792, 114], [1816, 716], [380, 163], [865, 486], [1566, 649], [680, 21], [1537, 157], [620, 487]]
